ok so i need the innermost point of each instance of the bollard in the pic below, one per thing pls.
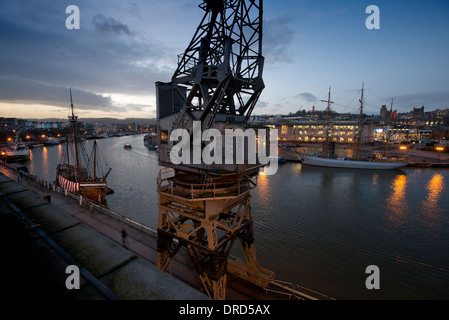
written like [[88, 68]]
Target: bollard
[[81, 200]]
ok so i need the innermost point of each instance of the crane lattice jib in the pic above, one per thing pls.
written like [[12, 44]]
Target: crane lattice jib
[[221, 69]]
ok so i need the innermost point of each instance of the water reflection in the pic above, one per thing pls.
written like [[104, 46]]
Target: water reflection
[[375, 179], [45, 164], [397, 207], [262, 188], [430, 204]]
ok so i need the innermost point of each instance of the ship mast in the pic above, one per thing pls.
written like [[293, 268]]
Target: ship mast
[[73, 120], [95, 160], [387, 140], [359, 135], [328, 117]]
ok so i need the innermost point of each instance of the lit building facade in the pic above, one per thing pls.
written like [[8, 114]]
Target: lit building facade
[[315, 131]]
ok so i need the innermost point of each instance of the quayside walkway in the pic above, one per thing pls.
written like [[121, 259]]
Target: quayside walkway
[[41, 238]]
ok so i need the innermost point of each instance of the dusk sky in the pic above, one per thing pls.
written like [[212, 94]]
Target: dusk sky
[[123, 47]]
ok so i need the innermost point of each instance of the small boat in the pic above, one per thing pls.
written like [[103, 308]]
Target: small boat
[[35, 145], [102, 135], [52, 141], [16, 151], [79, 173], [150, 141], [127, 146], [279, 159]]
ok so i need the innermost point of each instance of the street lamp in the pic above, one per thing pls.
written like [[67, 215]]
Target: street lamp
[[439, 149], [403, 148]]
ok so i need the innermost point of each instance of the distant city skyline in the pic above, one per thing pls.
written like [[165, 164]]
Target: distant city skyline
[[122, 48]]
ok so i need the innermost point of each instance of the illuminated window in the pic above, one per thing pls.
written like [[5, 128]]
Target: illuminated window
[[164, 136], [284, 130]]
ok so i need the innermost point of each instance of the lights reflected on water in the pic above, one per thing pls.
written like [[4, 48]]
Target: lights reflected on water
[[430, 207], [397, 204]]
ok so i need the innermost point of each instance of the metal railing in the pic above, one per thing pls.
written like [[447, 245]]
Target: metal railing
[[80, 199], [199, 191]]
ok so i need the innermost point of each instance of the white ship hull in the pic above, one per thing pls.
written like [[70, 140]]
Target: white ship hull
[[351, 164], [17, 152]]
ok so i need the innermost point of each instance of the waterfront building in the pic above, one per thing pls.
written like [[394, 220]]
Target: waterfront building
[[310, 131]]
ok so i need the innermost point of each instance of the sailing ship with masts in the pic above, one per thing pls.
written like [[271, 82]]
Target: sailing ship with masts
[[78, 172], [355, 163]]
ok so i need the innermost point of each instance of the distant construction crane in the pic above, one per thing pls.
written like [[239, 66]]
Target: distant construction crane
[[206, 207]]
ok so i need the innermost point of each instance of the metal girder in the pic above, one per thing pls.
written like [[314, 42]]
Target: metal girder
[[221, 69]]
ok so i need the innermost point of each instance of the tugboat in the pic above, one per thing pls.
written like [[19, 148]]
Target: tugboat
[[79, 173]]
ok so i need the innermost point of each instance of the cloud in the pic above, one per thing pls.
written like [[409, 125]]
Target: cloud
[[261, 104], [307, 96], [110, 25], [278, 34], [18, 90], [137, 107], [37, 47]]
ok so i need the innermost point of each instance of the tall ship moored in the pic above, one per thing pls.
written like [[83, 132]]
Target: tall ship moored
[[325, 160], [77, 172]]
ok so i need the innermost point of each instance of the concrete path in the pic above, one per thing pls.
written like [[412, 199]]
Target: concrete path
[[37, 251]]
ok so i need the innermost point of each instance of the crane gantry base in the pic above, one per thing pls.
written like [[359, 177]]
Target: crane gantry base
[[206, 215]]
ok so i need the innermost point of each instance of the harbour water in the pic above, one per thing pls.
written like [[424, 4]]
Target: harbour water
[[317, 227]]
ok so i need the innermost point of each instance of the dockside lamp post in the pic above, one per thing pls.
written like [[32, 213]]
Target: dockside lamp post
[[439, 150]]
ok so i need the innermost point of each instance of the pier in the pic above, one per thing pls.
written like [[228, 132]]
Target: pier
[[43, 235]]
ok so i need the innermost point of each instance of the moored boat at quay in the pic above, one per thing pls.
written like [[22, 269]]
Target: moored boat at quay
[[328, 160], [16, 151], [352, 164], [78, 172], [51, 141]]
